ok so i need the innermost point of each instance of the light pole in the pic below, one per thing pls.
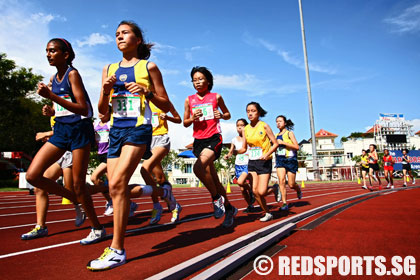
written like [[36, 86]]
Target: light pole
[[308, 85]]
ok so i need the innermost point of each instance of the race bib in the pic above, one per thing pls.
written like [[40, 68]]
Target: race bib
[[155, 119], [126, 106], [60, 111], [388, 164], [281, 151], [102, 136], [241, 159], [255, 153], [207, 109]]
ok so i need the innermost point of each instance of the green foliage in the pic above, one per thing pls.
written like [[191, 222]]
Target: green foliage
[[170, 159], [21, 116], [344, 139]]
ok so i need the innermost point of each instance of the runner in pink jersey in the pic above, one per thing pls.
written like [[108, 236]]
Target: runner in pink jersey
[[201, 110]]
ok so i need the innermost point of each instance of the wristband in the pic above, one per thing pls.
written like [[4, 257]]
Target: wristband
[[149, 95]]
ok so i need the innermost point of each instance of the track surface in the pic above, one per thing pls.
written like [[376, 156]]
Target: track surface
[[150, 249]]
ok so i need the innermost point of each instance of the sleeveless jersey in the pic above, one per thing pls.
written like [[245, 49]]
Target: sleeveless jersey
[[364, 161], [405, 159], [129, 109], [102, 137], [241, 159], [257, 139], [282, 150], [372, 160], [160, 127], [63, 89], [387, 160], [207, 125]]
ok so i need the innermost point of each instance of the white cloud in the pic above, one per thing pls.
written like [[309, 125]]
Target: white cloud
[[407, 22], [95, 39], [46, 18], [287, 56], [416, 124], [161, 48]]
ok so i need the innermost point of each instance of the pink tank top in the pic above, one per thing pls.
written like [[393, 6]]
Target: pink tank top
[[207, 125]]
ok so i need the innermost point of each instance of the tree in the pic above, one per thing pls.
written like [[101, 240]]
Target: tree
[[21, 115]]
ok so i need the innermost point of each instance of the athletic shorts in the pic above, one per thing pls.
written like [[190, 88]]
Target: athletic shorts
[[374, 166], [389, 168], [66, 160], [102, 158], [239, 169], [138, 135], [290, 164], [260, 166], [161, 141], [406, 166], [366, 169], [213, 143], [72, 136]]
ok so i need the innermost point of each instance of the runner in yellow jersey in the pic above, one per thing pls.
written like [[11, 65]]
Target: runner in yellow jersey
[[257, 138]]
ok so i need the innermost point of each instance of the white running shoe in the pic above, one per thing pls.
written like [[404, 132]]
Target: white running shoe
[[267, 217], [109, 209], [156, 214], [109, 259], [392, 186], [219, 207], [414, 181], [169, 196], [80, 215], [364, 187], [175, 213], [133, 208], [388, 186], [95, 235]]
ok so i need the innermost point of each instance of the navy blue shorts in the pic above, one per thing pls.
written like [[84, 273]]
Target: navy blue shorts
[[260, 166], [239, 169], [138, 135], [72, 136], [290, 164]]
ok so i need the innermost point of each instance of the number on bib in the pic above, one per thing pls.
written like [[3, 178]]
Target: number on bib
[[255, 153], [207, 110], [126, 106], [60, 111]]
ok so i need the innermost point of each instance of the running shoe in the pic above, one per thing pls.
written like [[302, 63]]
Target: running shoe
[[388, 186], [370, 189], [267, 217], [95, 235], [249, 209], [299, 193], [133, 208], [80, 215], [109, 259], [175, 213], [392, 186], [277, 192], [219, 207], [156, 214], [284, 207], [228, 222], [37, 232], [414, 181], [169, 196], [364, 187], [109, 210], [404, 185]]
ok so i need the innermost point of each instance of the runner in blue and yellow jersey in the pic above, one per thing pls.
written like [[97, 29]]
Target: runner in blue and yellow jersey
[[128, 86]]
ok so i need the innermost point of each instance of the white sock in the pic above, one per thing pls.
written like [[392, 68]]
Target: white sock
[[118, 251]]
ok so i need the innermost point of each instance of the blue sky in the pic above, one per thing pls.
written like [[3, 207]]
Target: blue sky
[[364, 55]]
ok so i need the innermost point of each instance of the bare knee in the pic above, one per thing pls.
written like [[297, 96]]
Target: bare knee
[[32, 177]]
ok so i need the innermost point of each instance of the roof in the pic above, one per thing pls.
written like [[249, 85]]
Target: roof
[[323, 133], [417, 133]]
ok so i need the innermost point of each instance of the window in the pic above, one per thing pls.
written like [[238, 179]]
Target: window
[[188, 168]]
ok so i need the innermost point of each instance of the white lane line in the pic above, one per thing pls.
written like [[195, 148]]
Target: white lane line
[[142, 228]]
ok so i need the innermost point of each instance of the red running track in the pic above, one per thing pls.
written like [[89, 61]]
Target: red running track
[[150, 249]]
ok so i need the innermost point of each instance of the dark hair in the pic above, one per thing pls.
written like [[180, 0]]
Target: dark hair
[[374, 146], [364, 151], [65, 46], [386, 150], [143, 50], [242, 120], [289, 124], [206, 72], [406, 150], [260, 110]]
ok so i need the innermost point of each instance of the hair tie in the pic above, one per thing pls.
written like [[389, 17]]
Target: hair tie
[[65, 42]]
